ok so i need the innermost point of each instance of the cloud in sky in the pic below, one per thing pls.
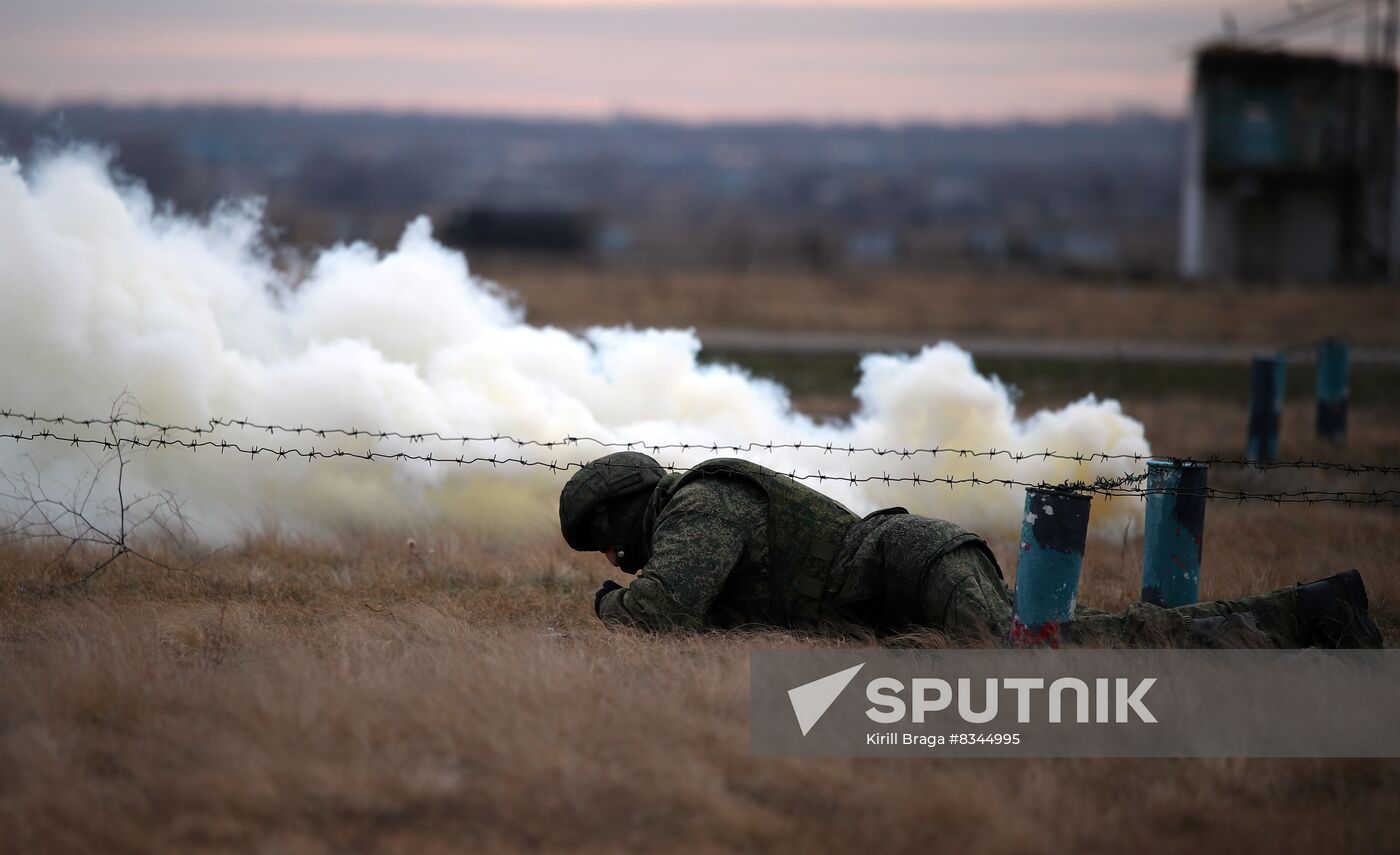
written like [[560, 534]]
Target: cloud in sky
[[916, 59]]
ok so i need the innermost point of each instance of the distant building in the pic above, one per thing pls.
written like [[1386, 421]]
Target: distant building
[[1289, 168], [988, 243], [871, 248], [522, 231], [1079, 251], [613, 239]]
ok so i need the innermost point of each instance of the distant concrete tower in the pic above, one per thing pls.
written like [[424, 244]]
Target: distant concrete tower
[[1289, 167]]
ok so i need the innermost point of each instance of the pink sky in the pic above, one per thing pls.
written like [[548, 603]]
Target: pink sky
[[827, 60]]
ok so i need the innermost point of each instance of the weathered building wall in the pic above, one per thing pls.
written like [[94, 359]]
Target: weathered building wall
[[1289, 168]]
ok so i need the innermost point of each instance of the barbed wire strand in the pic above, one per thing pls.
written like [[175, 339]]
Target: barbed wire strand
[[850, 450], [1128, 485]]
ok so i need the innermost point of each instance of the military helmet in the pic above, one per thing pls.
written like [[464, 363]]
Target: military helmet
[[597, 483]]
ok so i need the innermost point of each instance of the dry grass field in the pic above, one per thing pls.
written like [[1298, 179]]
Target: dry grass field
[[952, 305], [458, 695]]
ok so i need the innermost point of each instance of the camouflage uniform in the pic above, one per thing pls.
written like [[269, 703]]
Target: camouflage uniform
[[711, 540], [964, 597]]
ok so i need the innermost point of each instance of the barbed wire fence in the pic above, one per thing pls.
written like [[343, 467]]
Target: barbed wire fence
[[104, 529], [63, 429], [214, 425]]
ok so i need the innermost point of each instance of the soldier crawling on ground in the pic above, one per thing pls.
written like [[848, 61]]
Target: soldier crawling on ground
[[733, 544]]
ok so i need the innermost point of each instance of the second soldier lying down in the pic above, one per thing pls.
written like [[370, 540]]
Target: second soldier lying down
[[730, 543]]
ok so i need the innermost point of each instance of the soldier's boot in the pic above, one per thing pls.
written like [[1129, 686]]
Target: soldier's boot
[[1334, 614]]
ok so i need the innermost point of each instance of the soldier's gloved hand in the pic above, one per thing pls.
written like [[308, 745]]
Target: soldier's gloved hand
[[609, 585]]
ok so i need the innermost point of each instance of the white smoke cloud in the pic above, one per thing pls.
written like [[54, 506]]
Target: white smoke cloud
[[102, 291]]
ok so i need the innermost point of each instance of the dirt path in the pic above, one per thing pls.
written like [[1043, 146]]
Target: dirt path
[[750, 341]]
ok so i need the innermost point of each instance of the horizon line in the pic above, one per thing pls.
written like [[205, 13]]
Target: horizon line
[[620, 115]]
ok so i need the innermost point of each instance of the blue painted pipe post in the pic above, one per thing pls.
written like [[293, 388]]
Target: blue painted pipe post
[[1047, 570], [1176, 520], [1333, 388], [1265, 407]]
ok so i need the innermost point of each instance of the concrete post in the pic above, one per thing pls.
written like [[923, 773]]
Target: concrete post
[[1333, 388], [1176, 518], [1053, 531], [1266, 387]]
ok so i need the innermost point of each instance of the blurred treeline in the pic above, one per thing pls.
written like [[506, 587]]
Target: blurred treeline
[[1092, 196]]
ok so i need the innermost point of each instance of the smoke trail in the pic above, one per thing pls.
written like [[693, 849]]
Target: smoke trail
[[103, 291]]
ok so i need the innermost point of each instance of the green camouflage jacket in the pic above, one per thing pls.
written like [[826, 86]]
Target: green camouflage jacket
[[709, 561]]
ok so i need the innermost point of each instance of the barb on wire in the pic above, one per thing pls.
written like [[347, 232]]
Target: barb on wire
[[1126, 485], [214, 425]]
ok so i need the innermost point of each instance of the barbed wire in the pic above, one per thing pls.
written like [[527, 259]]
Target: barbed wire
[[1127, 485], [214, 425]]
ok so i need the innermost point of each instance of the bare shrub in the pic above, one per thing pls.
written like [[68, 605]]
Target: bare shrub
[[96, 520]]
